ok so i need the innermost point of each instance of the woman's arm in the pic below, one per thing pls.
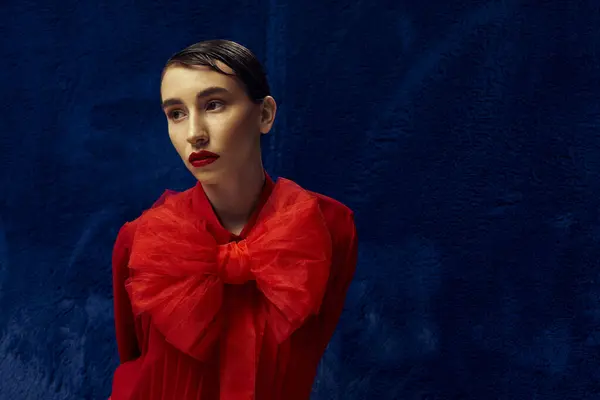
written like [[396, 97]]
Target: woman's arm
[[343, 272], [124, 321], [309, 342]]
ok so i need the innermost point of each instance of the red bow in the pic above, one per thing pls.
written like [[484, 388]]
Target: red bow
[[180, 273]]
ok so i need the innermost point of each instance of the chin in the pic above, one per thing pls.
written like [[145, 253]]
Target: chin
[[206, 177]]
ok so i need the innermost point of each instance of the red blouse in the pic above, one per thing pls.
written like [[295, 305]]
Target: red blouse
[[201, 313]]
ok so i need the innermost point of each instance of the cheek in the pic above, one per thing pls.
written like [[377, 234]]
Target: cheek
[[237, 129], [177, 140]]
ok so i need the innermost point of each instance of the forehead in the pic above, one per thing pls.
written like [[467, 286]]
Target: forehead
[[179, 81]]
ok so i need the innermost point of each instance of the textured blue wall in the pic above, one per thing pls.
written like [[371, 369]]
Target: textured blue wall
[[465, 135]]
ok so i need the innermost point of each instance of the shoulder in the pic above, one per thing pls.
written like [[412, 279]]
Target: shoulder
[[333, 209], [169, 198], [338, 217]]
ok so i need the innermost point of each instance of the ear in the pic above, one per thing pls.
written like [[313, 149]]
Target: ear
[[268, 111]]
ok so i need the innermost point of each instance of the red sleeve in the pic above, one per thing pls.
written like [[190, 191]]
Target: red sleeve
[[124, 320], [333, 303], [310, 342]]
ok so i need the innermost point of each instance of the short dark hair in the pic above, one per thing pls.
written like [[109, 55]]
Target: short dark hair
[[242, 61]]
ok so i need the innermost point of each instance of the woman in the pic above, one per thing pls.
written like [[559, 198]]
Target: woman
[[233, 288]]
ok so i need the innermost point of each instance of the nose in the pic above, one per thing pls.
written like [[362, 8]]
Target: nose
[[197, 132]]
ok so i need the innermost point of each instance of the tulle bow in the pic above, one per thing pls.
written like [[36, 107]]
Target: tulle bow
[[180, 276]]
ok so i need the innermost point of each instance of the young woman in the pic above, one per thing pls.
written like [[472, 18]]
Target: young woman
[[232, 289]]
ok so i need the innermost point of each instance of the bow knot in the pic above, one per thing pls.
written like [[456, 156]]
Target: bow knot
[[234, 263]]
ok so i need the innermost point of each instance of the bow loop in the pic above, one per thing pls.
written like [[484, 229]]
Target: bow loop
[[234, 263]]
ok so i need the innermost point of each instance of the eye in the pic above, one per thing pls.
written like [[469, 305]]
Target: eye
[[214, 105], [175, 115]]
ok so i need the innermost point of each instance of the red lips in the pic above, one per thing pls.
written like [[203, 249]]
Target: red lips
[[202, 158]]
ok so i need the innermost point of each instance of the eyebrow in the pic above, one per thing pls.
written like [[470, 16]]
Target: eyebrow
[[204, 93]]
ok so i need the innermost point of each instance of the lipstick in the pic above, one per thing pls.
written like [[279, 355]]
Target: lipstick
[[202, 158]]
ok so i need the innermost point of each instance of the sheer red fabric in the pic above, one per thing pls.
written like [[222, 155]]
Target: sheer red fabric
[[214, 316]]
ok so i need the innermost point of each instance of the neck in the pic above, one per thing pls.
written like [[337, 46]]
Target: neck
[[235, 198]]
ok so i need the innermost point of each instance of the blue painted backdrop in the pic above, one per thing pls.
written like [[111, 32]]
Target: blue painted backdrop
[[465, 135]]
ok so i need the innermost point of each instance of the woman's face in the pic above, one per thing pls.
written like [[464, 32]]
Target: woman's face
[[208, 110]]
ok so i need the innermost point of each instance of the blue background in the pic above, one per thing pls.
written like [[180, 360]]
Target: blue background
[[464, 134]]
